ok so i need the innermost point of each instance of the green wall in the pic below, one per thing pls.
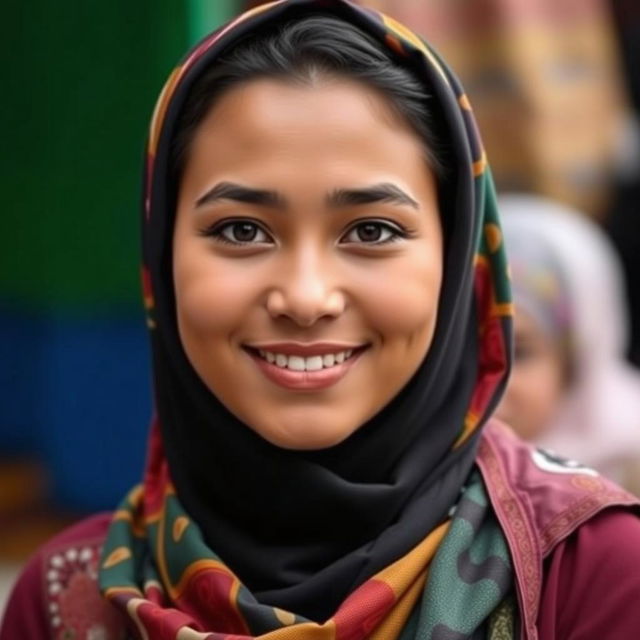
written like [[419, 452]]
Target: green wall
[[77, 97], [205, 15]]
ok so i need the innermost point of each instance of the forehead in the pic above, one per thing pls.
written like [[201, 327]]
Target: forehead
[[265, 124], [338, 99]]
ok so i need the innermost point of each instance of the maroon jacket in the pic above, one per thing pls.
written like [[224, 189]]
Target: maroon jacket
[[574, 538]]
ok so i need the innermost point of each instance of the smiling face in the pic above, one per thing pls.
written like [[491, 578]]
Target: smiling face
[[307, 257]]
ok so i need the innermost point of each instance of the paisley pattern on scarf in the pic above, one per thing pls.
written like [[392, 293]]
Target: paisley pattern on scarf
[[157, 569]]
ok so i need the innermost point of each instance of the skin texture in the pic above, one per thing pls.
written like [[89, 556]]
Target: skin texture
[[538, 380], [307, 275]]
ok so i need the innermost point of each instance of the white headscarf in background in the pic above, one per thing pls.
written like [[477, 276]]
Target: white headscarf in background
[[599, 420]]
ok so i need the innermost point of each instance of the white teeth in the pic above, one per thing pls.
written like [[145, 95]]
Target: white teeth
[[296, 363], [312, 363]]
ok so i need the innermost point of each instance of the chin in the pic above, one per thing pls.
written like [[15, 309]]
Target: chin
[[311, 438]]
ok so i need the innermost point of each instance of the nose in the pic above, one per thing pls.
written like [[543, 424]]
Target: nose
[[305, 291]]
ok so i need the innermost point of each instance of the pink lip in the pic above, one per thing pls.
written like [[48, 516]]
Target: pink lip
[[304, 349], [304, 380]]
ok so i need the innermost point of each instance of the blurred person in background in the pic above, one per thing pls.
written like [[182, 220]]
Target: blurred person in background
[[330, 321], [571, 389]]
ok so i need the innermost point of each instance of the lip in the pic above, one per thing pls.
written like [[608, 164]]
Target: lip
[[304, 380], [305, 349]]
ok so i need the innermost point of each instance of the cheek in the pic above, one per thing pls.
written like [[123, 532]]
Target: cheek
[[534, 394], [209, 298], [551, 388], [404, 301]]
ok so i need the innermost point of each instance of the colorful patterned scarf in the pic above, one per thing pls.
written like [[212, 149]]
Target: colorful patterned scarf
[[157, 569]]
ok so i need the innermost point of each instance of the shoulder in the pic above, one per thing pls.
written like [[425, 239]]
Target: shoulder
[[57, 591], [543, 502], [591, 582], [554, 495]]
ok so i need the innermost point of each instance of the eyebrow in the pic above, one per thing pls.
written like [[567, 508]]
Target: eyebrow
[[240, 193], [382, 192]]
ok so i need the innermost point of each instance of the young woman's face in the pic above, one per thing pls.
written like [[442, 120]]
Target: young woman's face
[[538, 380], [307, 257]]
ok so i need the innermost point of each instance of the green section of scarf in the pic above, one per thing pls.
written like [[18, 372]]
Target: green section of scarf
[[468, 592], [159, 572]]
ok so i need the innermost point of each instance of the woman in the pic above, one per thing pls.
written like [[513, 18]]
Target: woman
[[330, 322], [571, 389]]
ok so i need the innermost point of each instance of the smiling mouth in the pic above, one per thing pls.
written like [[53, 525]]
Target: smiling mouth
[[302, 363], [305, 370]]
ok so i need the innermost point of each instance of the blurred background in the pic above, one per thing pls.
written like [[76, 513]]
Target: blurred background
[[81, 79], [555, 85]]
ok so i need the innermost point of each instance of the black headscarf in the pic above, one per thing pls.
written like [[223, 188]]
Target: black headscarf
[[303, 529]]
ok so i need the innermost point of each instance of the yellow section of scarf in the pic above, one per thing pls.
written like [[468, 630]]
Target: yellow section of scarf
[[406, 577]]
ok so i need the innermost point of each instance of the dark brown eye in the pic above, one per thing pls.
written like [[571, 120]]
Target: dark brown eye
[[240, 232], [372, 232], [369, 232], [244, 231]]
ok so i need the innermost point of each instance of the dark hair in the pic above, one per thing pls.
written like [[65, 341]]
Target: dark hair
[[301, 51]]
